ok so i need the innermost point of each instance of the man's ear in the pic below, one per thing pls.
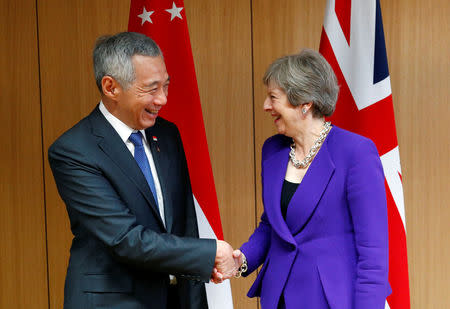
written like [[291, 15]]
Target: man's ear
[[110, 87]]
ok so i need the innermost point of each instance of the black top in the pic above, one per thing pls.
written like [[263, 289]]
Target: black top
[[287, 192]]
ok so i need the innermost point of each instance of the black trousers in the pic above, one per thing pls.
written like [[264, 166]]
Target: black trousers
[[173, 299]]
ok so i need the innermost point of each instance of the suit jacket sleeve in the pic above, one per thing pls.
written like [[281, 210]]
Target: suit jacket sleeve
[[93, 200], [367, 201]]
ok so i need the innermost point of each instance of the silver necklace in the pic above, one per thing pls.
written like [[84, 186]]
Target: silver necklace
[[312, 152]]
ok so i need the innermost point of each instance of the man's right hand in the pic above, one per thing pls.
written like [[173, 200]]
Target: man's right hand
[[224, 265]]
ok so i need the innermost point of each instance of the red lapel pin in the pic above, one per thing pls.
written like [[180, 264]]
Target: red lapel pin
[[155, 139]]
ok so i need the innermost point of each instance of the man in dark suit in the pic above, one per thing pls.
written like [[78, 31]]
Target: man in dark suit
[[122, 174]]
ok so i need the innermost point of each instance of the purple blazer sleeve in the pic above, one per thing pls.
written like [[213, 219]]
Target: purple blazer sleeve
[[367, 202], [256, 248]]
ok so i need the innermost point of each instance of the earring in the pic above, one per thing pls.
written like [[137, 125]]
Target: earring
[[304, 110]]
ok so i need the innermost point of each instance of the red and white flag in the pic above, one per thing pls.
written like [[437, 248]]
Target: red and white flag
[[353, 43], [165, 22]]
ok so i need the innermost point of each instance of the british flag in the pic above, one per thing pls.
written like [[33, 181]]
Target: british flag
[[353, 43]]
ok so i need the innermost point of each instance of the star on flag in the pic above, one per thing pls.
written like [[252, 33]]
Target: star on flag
[[172, 36], [145, 16], [174, 11]]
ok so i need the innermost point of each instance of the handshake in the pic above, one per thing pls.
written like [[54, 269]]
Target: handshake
[[227, 262]]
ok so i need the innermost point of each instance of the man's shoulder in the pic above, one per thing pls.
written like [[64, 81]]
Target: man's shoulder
[[163, 123], [77, 136], [163, 127]]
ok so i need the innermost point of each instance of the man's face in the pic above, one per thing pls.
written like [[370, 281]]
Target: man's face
[[138, 106]]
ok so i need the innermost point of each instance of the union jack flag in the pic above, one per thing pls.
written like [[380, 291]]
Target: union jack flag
[[353, 43]]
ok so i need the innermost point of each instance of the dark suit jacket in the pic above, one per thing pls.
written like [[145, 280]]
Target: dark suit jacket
[[121, 254], [332, 249]]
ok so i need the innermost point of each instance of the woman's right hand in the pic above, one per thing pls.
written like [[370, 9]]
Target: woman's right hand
[[238, 258]]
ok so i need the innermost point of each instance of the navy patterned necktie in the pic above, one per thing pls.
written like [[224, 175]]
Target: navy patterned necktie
[[142, 161]]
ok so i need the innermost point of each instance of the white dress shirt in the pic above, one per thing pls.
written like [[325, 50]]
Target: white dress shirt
[[124, 132]]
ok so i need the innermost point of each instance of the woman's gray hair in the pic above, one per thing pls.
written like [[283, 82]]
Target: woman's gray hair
[[113, 54], [305, 77]]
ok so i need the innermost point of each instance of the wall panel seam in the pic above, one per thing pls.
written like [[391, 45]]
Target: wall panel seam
[[42, 151], [255, 204]]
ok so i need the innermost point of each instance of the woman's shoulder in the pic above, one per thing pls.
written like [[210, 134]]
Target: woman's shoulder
[[345, 137], [275, 143], [349, 143]]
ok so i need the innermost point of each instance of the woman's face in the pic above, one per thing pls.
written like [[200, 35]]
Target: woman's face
[[286, 116]]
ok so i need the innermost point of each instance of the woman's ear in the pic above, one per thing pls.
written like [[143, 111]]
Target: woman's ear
[[306, 107]]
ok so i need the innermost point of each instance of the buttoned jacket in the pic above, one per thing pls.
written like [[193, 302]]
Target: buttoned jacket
[[332, 249], [122, 253]]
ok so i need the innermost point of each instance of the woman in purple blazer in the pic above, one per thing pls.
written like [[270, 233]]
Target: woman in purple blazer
[[323, 236]]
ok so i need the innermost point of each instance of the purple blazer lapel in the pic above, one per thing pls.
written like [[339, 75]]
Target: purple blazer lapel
[[308, 194], [274, 170]]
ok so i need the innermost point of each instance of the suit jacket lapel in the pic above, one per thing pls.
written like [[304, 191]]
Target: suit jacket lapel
[[308, 194], [113, 147], [162, 162], [274, 169]]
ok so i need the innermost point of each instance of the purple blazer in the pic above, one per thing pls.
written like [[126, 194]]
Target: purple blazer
[[332, 250]]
